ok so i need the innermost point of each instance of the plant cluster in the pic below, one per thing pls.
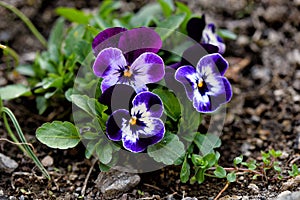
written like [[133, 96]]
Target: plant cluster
[[139, 94]]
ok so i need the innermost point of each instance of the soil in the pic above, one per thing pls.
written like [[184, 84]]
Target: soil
[[263, 114]]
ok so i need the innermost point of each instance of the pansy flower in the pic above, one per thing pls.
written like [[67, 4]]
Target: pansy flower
[[205, 34], [139, 126], [128, 57], [206, 85]]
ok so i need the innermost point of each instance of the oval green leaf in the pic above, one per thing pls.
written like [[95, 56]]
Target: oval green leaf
[[168, 150], [61, 135]]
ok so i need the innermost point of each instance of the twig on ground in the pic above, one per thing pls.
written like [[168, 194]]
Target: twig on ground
[[17, 143], [152, 186], [88, 176], [223, 190], [18, 173]]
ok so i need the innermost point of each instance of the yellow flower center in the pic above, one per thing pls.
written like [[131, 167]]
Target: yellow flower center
[[127, 73], [132, 121], [200, 84]]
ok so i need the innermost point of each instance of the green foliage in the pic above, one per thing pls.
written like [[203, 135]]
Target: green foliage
[[14, 91], [51, 78], [62, 135], [73, 15], [168, 150], [170, 102]]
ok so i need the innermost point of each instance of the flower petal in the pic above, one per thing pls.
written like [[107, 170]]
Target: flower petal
[[114, 124], [150, 134], [148, 68], [187, 76], [147, 104], [108, 38], [224, 96], [212, 63], [138, 41], [195, 27], [111, 97], [209, 36], [108, 62], [202, 103]]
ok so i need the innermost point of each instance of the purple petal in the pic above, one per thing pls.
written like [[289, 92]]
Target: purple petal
[[187, 76], [202, 103], [195, 28], [228, 89], [148, 68], [215, 63], [138, 41], [111, 97], [210, 48], [114, 124], [147, 104], [175, 65], [108, 82], [108, 62], [108, 38], [215, 101], [147, 136]]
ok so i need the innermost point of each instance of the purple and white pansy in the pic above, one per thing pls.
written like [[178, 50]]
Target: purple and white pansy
[[139, 126], [206, 85], [128, 57], [206, 35], [209, 36]]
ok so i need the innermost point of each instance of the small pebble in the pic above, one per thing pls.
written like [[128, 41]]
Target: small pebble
[[7, 164], [253, 187], [287, 195], [47, 161]]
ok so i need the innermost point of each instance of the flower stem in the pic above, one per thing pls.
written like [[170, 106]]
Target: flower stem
[[11, 52], [27, 21], [25, 148], [11, 134]]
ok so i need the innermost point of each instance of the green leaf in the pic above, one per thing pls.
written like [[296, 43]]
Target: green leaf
[[90, 149], [211, 159], [220, 172], [274, 153], [170, 102], [185, 171], [62, 135], [55, 40], [73, 15], [238, 160], [200, 175], [26, 70], [206, 143], [104, 152], [14, 91], [50, 82], [168, 150], [295, 171], [167, 7], [146, 14], [231, 177], [81, 101], [107, 7], [226, 34], [182, 8], [197, 159], [169, 25], [73, 38], [90, 135], [41, 104], [277, 168], [103, 167]]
